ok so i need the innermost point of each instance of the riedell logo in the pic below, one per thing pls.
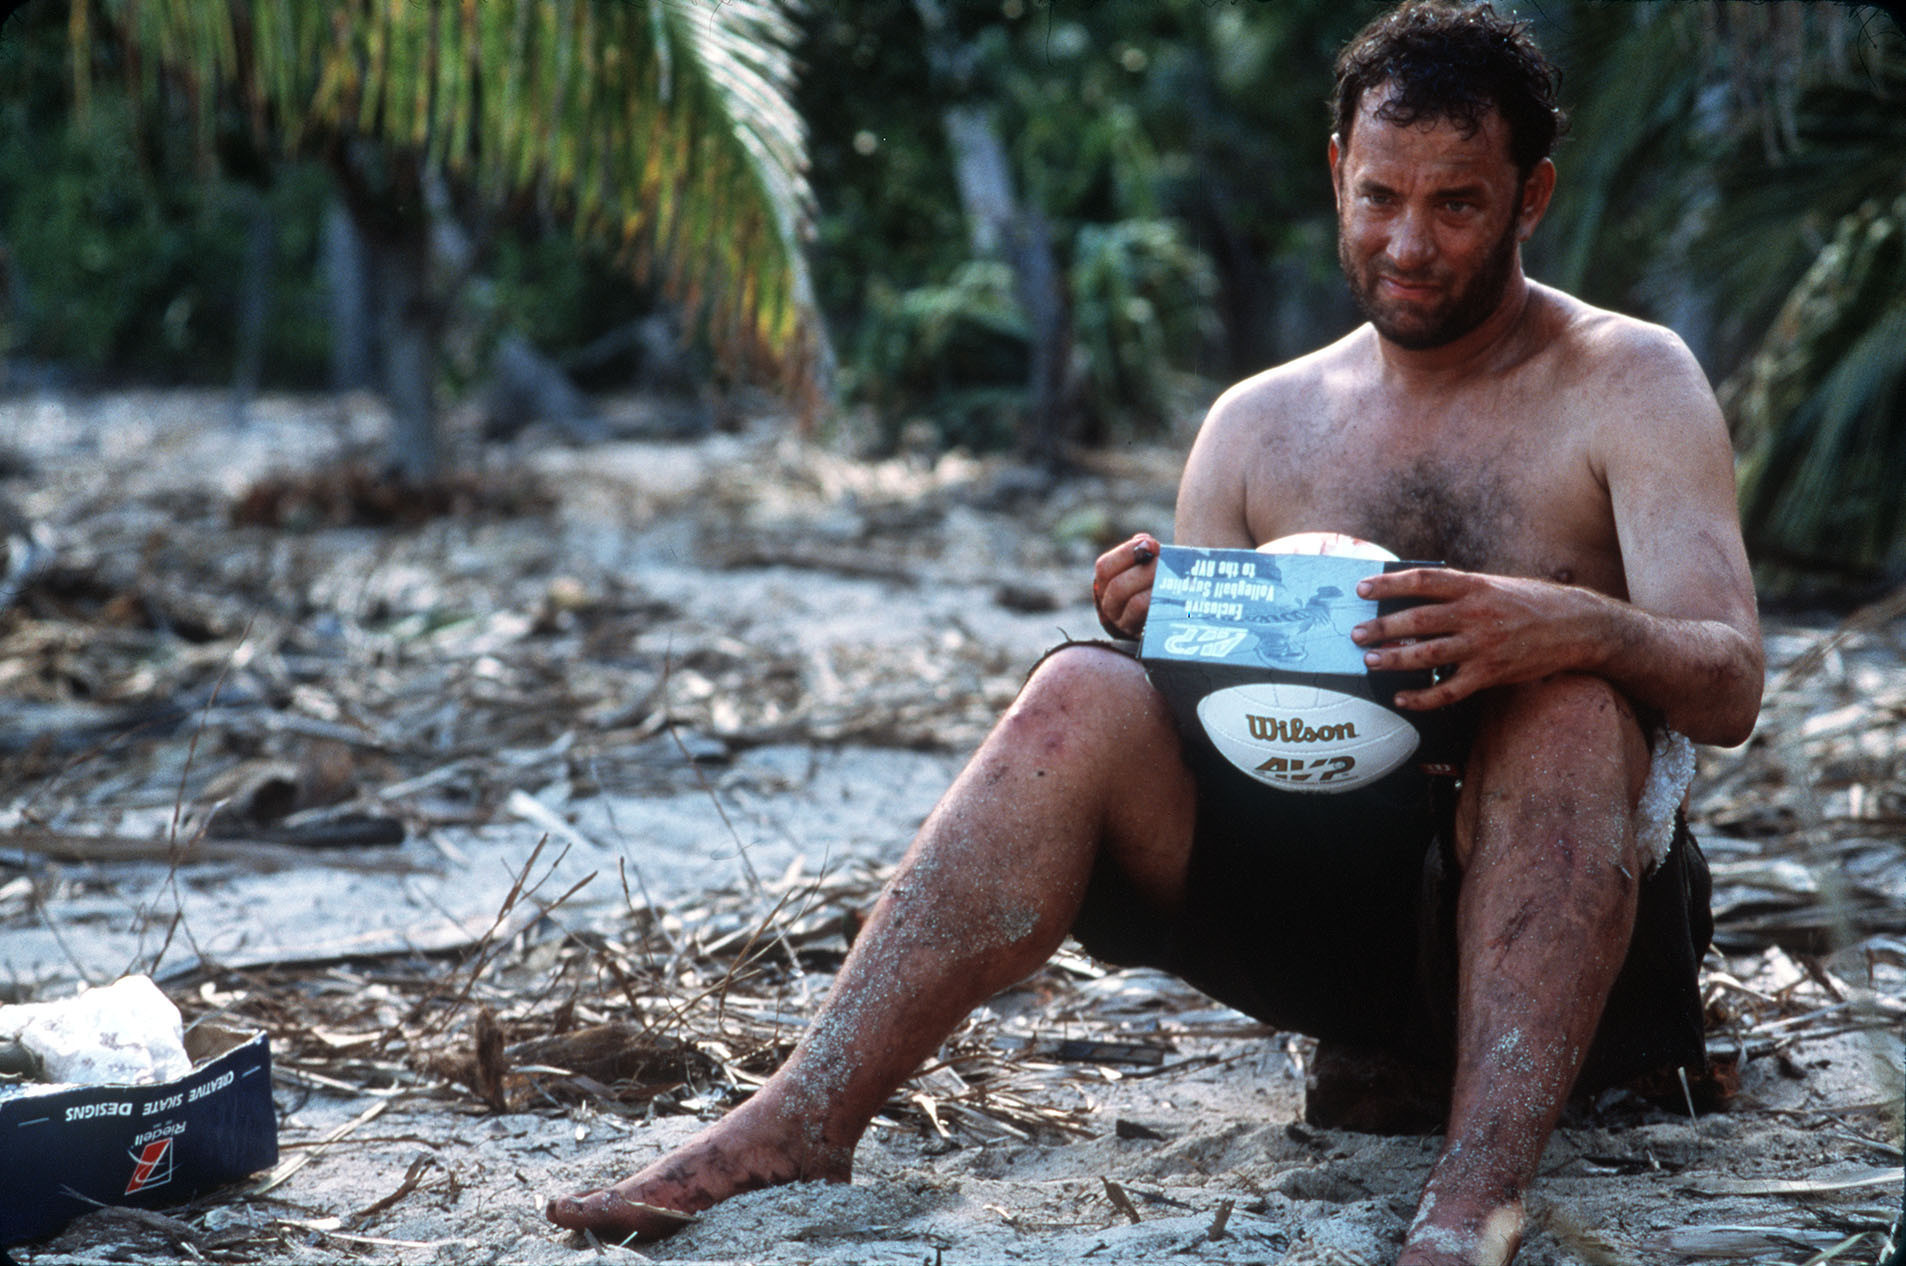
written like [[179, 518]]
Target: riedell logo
[[1269, 729], [152, 1165]]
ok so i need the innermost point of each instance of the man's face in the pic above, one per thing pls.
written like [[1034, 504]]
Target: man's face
[[1428, 223]]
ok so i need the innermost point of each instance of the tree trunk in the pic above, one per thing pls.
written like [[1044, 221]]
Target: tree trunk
[[392, 225], [999, 226], [254, 303], [407, 331], [347, 288], [1042, 296], [983, 177]]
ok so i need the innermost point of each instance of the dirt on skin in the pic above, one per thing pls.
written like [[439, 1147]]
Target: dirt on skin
[[843, 702]]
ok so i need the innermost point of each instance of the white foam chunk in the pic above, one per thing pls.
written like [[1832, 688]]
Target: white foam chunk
[[1670, 774], [125, 1033]]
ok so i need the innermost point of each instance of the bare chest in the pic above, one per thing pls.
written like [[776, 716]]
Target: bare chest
[[1467, 513], [1509, 500]]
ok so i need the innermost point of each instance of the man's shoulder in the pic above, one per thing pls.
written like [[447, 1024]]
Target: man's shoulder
[[1295, 383], [1637, 381], [1599, 341]]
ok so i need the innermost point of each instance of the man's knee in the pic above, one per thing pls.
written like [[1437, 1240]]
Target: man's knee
[[1093, 711], [1568, 726], [1563, 749], [1084, 686]]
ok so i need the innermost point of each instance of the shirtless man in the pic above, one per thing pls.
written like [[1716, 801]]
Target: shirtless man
[[1572, 467]]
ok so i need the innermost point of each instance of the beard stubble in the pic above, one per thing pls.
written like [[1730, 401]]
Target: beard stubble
[[1468, 308]]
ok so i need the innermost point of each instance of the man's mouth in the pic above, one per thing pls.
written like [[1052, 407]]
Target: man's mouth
[[1408, 288]]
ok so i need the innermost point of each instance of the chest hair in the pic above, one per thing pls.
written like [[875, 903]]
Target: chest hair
[[1466, 516]]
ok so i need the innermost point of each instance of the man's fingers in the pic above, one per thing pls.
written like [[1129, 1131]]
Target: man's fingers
[[1416, 582], [1132, 619], [1436, 589], [1458, 685], [1428, 700], [1140, 550], [1121, 584], [1432, 619], [1430, 653], [1124, 601]]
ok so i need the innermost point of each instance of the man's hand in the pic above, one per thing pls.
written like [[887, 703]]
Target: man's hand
[[1490, 630], [1122, 585]]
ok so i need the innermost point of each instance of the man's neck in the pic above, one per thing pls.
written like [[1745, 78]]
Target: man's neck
[[1495, 344]]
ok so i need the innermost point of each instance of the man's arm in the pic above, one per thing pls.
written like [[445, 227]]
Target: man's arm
[[1686, 643], [1691, 643], [1211, 509], [1210, 513]]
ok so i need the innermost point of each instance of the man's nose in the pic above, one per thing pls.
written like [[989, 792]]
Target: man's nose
[[1412, 243]]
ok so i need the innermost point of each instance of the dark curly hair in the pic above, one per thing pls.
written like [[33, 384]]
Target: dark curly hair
[[1453, 61]]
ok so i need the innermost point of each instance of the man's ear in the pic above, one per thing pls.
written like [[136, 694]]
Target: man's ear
[[1536, 192], [1336, 156]]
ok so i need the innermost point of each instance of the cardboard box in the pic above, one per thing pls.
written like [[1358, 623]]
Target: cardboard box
[[66, 1152], [1224, 617]]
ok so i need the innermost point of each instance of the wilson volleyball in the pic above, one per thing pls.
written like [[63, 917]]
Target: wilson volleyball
[[1337, 544], [1252, 650], [1305, 738]]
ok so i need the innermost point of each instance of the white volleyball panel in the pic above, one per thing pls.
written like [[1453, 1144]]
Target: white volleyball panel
[[1305, 738], [1337, 543]]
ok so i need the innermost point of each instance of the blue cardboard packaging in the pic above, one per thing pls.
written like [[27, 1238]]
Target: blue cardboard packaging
[[1225, 617], [66, 1152]]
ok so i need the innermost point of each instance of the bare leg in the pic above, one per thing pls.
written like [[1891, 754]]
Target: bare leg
[[1545, 838], [1086, 759]]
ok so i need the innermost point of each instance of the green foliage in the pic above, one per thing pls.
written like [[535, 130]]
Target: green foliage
[[97, 261], [888, 218], [661, 128], [1711, 149], [1142, 311], [124, 259], [956, 353], [1633, 78], [1806, 251], [1767, 220], [1823, 451], [556, 295], [1743, 166], [1174, 147]]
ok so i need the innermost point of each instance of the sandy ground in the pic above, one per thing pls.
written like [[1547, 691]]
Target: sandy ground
[[1209, 1148]]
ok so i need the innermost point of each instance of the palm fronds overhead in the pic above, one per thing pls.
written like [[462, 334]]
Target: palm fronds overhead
[[1819, 410], [1635, 73], [1811, 251], [1745, 170], [661, 127]]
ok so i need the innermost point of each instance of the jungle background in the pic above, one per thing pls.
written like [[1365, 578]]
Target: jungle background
[[513, 511], [1017, 226]]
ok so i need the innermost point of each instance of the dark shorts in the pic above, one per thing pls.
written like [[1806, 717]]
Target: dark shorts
[[1335, 916]]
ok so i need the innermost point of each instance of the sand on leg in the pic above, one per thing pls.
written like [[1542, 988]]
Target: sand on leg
[[1550, 878], [1085, 763]]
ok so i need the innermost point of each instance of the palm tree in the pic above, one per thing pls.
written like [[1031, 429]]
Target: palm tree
[[1739, 171], [659, 128], [1821, 409], [1819, 406]]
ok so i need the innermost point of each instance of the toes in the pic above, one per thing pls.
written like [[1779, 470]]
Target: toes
[[613, 1216], [573, 1212]]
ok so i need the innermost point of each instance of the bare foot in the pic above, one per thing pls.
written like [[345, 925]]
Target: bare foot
[[1443, 1236], [735, 1154]]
